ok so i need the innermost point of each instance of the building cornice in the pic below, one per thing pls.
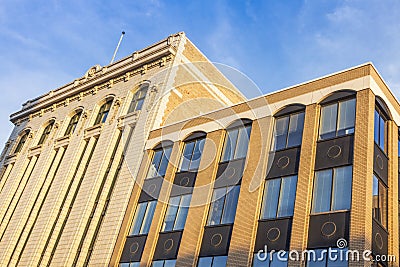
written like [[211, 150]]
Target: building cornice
[[99, 78]]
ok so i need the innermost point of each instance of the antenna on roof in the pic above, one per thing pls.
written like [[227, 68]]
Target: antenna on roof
[[116, 49]]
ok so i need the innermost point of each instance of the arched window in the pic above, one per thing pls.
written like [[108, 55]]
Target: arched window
[[338, 114], [21, 142], [73, 123], [138, 98], [160, 160], [382, 115], [46, 133], [288, 130], [192, 151], [103, 112], [237, 141]]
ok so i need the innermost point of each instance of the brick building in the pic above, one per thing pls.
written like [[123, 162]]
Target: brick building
[[307, 168], [158, 160]]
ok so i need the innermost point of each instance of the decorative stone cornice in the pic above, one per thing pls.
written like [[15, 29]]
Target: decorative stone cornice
[[17, 119]]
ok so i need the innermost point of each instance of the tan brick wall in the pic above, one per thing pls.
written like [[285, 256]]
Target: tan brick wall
[[194, 228], [250, 198], [393, 219], [361, 202], [302, 207]]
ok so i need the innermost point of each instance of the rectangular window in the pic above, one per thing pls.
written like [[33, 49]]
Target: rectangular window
[[380, 130], [321, 258], [159, 163], [217, 261], [279, 259], [177, 211], [337, 119], [191, 156], [143, 217], [379, 201], [130, 264], [288, 131], [236, 143], [279, 197], [332, 190], [223, 206], [164, 263]]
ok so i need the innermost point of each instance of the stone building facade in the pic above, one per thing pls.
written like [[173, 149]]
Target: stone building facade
[[66, 176]]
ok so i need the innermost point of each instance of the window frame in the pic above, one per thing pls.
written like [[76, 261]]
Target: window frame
[[140, 95], [289, 115], [197, 142], [154, 152], [143, 228], [73, 123], [224, 209], [177, 213], [246, 126], [21, 142], [46, 133], [327, 262], [332, 190], [164, 262], [103, 112], [381, 115], [278, 204], [212, 260], [381, 184], [337, 102]]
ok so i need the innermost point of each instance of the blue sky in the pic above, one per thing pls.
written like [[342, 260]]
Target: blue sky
[[47, 43]]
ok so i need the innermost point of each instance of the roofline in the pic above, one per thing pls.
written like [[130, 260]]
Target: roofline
[[105, 72], [366, 64]]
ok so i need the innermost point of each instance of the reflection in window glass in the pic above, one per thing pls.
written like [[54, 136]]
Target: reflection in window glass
[[217, 261], [321, 258], [175, 217], [236, 143], [130, 264], [337, 119], [138, 98], [380, 129], [164, 263], [379, 201], [191, 156], [21, 142], [103, 112], [159, 163], [332, 189], [288, 131], [223, 206], [278, 260], [143, 217], [279, 197], [46, 133], [73, 123]]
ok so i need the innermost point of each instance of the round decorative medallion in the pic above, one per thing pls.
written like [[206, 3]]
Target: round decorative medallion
[[168, 244], [216, 240], [328, 229], [283, 162], [151, 189], [273, 234], [379, 240], [134, 247], [334, 151], [230, 172], [379, 161], [184, 181]]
